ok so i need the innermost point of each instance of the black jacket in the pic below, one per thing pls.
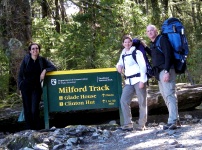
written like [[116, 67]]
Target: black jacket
[[161, 60], [43, 63]]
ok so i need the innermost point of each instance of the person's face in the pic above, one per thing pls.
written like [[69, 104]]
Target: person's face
[[34, 50], [127, 43], [151, 32]]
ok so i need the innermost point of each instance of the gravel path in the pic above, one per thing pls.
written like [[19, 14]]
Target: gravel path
[[188, 137]]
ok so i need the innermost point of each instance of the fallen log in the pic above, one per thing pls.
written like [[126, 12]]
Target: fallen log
[[189, 96]]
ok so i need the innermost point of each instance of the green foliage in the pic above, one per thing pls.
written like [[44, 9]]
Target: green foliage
[[51, 41], [195, 64], [12, 99], [4, 74], [93, 37]]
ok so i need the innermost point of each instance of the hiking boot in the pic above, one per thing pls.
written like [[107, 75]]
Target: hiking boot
[[141, 128], [128, 127], [178, 123], [173, 127], [170, 126]]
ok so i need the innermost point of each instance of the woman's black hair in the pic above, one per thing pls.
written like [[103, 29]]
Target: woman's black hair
[[29, 48]]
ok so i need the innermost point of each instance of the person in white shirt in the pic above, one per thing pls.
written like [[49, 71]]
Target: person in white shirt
[[135, 83]]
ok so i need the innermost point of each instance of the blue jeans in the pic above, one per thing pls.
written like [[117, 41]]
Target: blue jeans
[[168, 93], [126, 97]]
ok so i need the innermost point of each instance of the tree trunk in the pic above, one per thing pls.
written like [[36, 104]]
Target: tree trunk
[[193, 15], [57, 17], [63, 12], [155, 12], [16, 35], [45, 9], [165, 8]]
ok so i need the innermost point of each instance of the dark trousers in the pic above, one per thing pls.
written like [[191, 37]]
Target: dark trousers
[[31, 99]]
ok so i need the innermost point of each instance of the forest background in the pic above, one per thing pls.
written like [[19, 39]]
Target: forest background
[[90, 37]]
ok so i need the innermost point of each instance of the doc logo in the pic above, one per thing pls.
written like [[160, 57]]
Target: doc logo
[[53, 81]]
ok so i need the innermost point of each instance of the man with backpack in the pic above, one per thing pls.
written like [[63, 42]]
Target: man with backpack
[[164, 72]]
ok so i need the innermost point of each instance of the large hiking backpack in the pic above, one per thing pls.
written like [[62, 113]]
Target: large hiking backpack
[[139, 46], [174, 30]]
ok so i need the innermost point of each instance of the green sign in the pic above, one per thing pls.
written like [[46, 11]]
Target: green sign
[[64, 91]]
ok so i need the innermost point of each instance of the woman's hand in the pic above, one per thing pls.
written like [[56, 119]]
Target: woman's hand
[[119, 69], [42, 76], [141, 85]]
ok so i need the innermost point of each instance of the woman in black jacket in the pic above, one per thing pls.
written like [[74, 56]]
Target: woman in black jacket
[[32, 72]]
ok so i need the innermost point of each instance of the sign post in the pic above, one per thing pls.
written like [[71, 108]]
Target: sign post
[[64, 91]]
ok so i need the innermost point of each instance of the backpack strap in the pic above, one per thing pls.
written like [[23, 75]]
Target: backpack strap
[[147, 63], [124, 64], [134, 57], [158, 45], [132, 76], [123, 56]]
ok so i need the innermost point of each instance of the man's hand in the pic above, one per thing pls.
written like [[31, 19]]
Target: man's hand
[[166, 77]]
